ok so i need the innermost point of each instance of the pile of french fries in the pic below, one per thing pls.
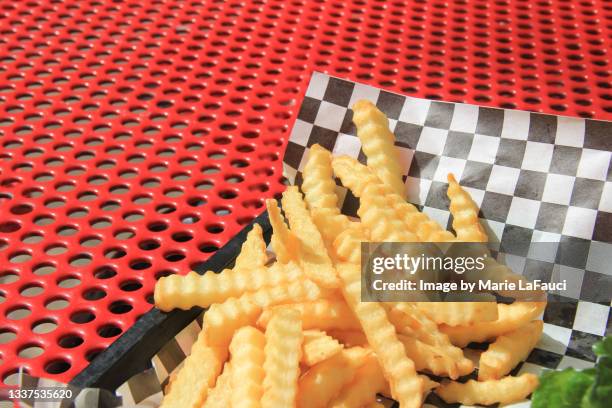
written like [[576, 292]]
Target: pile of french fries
[[294, 332]]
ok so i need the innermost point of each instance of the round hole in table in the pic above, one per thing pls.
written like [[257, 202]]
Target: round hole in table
[[82, 316], [31, 350], [6, 335], [31, 290], [7, 277], [70, 340], [9, 226], [140, 264], [120, 307], [57, 366], [44, 269], [12, 377], [94, 293], [130, 285], [18, 312], [68, 281], [109, 330], [56, 303]]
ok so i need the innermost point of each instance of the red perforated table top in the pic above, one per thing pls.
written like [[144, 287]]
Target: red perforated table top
[[138, 137]]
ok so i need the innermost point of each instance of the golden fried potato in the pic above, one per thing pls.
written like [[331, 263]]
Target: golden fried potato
[[406, 386], [408, 320], [505, 391], [322, 314], [219, 396], [509, 350], [193, 289], [223, 319], [318, 180], [459, 313], [318, 347], [378, 144], [369, 381], [247, 351], [465, 214], [313, 258], [284, 243], [435, 359], [381, 220], [253, 252], [282, 359], [324, 381], [511, 317], [357, 177], [342, 237], [192, 383]]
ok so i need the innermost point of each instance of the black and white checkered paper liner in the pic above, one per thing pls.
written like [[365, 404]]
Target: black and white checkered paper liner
[[536, 178]]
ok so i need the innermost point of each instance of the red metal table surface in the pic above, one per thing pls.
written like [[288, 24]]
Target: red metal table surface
[[137, 137]]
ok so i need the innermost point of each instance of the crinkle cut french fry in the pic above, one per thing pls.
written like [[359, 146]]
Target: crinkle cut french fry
[[342, 237], [313, 255], [406, 386], [330, 224], [505, 391], [410, 321], [322, 314], [219, 395], [369, 381], [223, 319], [434, 360], [509, 350], [253, 252], [459, 313], [283, 352], [378, 144], [247, 351], [318, 347], [347, 245], [190, 386], [356, 177], [318, 180], [282, 359], [404, 323], [193, 289], [284, 243], [498, 272], [324, 381], [511, 317], [381, 220], [465, 214]]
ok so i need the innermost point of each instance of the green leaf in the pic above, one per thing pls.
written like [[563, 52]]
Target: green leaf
[[562, 389], [600, 395], [570, 388], [603, 348]]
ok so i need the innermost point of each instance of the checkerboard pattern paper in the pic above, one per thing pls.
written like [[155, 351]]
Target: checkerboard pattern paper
[[536, 178]]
